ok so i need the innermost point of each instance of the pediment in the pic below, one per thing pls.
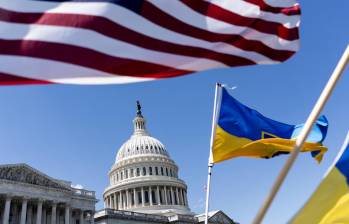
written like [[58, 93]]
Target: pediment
[[220, 218], [25, 174]]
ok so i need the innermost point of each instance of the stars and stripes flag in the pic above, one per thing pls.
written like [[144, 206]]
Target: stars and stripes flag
[[122, 41]]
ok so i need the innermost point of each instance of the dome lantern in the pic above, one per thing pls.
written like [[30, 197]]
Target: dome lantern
[[139, 122]]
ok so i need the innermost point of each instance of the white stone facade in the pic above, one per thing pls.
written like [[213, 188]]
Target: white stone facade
[[144, 178], [28, 196]]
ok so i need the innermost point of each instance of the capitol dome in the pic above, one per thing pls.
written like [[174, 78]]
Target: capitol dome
[[144, 178]]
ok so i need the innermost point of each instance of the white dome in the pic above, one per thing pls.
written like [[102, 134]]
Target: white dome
[[141, 145], [144, 178]]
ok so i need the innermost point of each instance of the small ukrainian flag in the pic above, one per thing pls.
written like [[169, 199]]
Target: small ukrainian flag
[[330, 202], [244, 132]]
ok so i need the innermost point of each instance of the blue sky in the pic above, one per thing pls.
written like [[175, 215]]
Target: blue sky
[[74, 132]]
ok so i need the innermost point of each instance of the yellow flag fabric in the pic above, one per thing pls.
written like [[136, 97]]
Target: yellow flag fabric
[[329, 204]]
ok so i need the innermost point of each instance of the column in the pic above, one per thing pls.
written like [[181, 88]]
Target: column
[[15, 215], [81, 220], [115, 202], [123, 200], [53, 213], [165, 195], [177, 196], [67, 214], [44, 215], [119, 201], [92, 218], [24, 210], [142, 196], [172, 196], [30, 214], [136, 197], [150, 197], [185, 197], [39, 212], [158, 195], [6, 215], [127, 199], [181, 196]]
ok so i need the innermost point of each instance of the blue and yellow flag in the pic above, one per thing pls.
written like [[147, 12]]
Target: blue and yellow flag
[[242, 131], [330, 202]]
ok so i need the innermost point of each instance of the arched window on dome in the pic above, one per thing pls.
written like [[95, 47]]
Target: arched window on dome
[[121, 175], [131, 173], [162, 171], [138, 172], [150, 170], [117, 176], [156, 171], [170, 172], [126, 174], [144, 171], [166, 171]]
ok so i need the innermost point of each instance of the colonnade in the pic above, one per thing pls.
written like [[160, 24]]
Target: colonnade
[[146, 196], [24, 210]]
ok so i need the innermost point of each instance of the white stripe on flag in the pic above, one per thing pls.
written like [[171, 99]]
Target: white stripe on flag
[[253, 11], [59, 72]]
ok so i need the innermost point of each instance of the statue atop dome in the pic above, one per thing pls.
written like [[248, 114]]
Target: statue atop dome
[[139, 109]]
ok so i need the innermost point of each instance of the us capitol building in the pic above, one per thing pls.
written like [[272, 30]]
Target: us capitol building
[[144, 188]]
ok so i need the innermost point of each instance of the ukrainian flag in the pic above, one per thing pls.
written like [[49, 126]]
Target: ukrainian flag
[[330, 202], [242, 131]]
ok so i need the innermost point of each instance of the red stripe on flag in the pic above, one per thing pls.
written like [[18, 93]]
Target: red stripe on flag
[[8, 79], [157, 16], [293, 10], [216, 12], [115, 31], [87, 58]]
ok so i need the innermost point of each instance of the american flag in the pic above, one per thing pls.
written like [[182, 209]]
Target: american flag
[[123, 41]]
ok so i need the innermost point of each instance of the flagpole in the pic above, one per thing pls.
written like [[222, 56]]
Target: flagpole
[[326, 93], [216, 110]]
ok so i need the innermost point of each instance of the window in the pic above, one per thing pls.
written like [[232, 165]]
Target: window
[[138, 172], [170, 172], [121, 176], [166, 171], [126, 174], [162, 171], [117, 176], [156, 171], [150, 171], [144, 171], [131, 173]]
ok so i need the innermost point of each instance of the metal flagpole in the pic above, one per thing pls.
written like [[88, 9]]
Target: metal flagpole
[[326, 93], [216, 110]]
